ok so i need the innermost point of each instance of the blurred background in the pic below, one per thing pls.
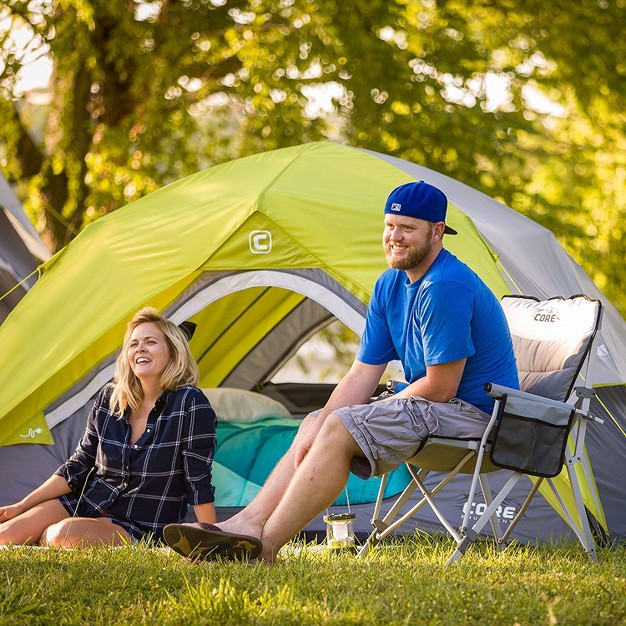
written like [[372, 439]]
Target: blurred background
[[104, 101]]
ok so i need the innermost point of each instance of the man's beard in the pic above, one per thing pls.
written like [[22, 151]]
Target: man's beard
[[413, 258]]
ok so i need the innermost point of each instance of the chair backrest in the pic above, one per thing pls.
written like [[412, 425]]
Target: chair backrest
[[551, 339]]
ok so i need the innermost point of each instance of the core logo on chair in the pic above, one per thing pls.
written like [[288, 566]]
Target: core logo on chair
[[547, 315]]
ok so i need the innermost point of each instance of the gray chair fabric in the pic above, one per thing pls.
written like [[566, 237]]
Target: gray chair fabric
[[551, 339]]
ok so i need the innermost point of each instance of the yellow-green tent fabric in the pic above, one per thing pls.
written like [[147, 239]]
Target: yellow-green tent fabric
[[313, 207]]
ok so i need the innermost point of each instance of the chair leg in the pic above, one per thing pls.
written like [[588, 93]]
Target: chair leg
[[582, 529], [370, 542], [471, 534], [381, 524], [578, 457], [535, 486], [387, 525], [495, 522], [379, 497], [462, 547], [427, 496]]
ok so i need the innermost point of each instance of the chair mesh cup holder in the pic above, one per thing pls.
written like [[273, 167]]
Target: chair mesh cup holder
[[529, 437]]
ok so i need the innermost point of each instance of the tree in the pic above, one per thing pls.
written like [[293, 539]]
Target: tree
[[145, 93]]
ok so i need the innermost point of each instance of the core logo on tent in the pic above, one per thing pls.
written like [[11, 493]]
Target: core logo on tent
[[395, 206], [260, 241], [503, 513]]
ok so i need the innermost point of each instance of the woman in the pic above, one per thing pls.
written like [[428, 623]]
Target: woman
[[147, 452]]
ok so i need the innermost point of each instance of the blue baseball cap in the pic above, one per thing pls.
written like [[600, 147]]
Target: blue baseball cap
[[419, 200]]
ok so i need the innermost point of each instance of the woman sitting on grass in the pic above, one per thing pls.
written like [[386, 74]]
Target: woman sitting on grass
[[147, 451]]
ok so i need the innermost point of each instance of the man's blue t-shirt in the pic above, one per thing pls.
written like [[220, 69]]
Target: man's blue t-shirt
[[447, 315]]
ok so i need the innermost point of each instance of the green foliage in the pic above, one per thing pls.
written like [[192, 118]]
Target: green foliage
[[313, 357], [403, 582], [144, 93]]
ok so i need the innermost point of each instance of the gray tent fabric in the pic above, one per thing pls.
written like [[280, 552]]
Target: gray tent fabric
[[21, 249], [606, 446], [24, 467], [536, 265]]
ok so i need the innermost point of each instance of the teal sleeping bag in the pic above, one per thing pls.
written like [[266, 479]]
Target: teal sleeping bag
[[247, 453]]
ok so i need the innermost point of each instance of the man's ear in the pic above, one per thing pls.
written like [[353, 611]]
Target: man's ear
[[438, 231]]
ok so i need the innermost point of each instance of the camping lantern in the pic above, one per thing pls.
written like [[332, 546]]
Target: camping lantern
[[339, 530]]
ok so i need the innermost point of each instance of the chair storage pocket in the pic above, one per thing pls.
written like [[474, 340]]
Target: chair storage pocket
[[530, 436]]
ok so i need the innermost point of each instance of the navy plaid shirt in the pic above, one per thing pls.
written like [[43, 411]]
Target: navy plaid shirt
[[148, 484]]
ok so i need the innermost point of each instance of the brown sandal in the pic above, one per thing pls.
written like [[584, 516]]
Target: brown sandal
[[204, 541]]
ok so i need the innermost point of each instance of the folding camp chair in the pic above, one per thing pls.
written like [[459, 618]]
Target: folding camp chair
[[532, 432]]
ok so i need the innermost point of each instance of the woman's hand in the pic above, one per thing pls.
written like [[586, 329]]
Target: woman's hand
[[54, 487], [10, 511]]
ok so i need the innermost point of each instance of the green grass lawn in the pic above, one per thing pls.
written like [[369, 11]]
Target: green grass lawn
[[401, 583]]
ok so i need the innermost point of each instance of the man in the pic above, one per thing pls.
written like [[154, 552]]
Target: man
[[447, 328]]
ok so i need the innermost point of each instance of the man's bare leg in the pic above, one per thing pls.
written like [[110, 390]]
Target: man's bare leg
[[315, 485]]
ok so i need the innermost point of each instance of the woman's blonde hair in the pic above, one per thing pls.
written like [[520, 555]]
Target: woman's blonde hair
[[180, 371]]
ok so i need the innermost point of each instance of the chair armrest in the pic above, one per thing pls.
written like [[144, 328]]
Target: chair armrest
[[499, 391]]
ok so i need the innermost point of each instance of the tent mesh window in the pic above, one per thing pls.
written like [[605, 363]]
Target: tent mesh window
[[529, 439]]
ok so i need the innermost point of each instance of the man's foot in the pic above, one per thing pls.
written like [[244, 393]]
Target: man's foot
[[203, 541]]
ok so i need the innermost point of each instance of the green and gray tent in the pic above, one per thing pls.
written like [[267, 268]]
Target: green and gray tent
[[21, 250], [260, 253]]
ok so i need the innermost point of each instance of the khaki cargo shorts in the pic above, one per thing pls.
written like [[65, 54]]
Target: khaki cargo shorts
[[390, 431]]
